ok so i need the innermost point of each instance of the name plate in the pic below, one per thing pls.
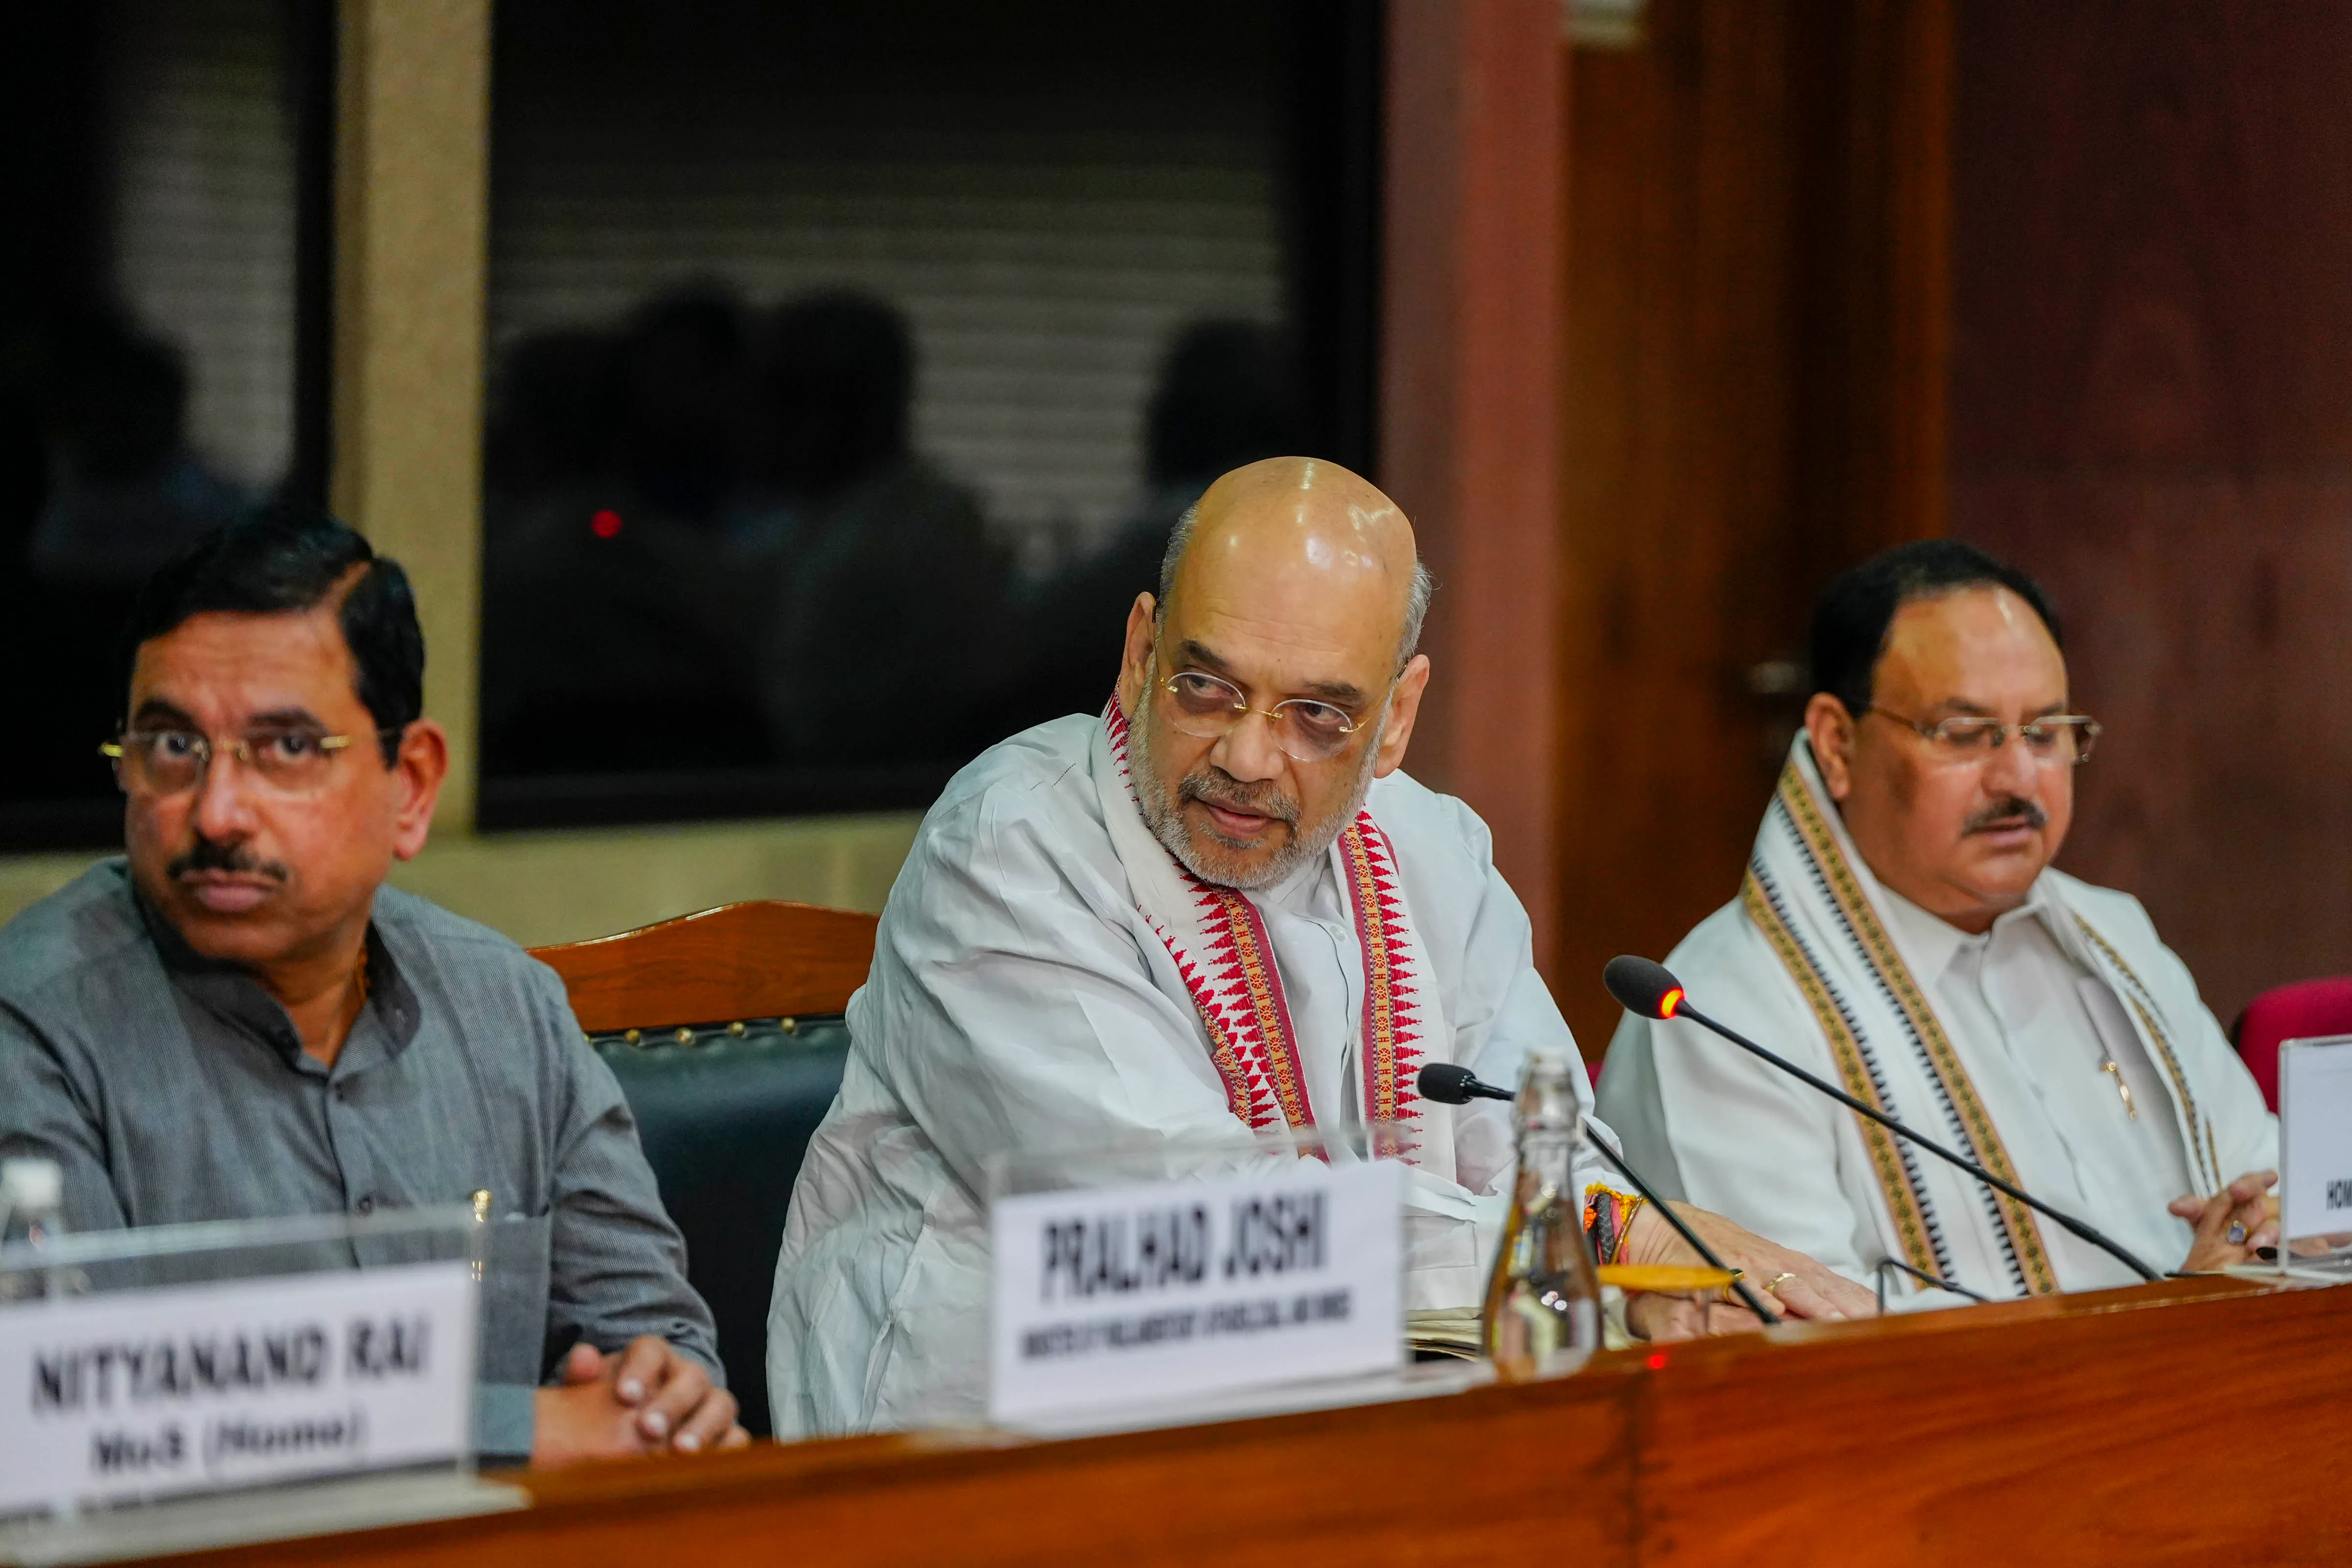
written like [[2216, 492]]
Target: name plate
[[141, 1393], [2316, 1138], [1126, 1296]]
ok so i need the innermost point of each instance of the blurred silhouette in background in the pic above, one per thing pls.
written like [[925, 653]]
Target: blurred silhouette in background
[[711, 544], [1227, 395], [125, 493], [101, 489], [613, 629], [884, 639]]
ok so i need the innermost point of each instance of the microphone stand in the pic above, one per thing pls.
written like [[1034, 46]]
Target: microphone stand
[[1924, 1278], [2068, 1221]]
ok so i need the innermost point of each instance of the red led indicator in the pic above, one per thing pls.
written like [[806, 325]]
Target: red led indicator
[[1668, 1005], [1658, 1361], [605, 524]]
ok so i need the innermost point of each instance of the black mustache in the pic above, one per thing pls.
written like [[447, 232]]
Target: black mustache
[[2005, 812], [1254, 800], [205, 854]]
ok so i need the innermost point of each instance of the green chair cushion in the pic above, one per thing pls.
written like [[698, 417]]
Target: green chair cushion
[[725, 1118]]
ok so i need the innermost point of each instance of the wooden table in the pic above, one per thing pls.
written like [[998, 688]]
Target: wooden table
[[2204, 1421]]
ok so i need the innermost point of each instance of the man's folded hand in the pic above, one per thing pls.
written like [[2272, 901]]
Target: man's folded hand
[[644, 1399]]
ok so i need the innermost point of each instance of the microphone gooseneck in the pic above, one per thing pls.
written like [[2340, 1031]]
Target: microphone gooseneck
[[1648, 990], [1450, 1083]]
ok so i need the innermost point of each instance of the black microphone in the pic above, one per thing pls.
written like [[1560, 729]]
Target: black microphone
[[1647, 990], [1450, 1083]]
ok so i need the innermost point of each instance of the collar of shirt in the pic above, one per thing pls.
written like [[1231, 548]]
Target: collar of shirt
[[230, 993], [1930, 944], [1310, 892]]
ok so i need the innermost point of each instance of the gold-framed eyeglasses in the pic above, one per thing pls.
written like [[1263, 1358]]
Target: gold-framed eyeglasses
[[1206, 707], [291, 761], [2054, 740]]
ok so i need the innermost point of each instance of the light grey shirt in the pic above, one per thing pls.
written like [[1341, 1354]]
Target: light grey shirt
[[172, 1088]]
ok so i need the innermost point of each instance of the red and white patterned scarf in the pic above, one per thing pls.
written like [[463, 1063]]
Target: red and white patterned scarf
[[1218, 941]]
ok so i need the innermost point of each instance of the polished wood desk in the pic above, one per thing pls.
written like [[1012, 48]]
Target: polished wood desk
[[2206, 1421]]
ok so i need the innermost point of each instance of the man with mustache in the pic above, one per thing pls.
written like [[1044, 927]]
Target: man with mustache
[[1217, 904], [1900, 932], [239, 1021]]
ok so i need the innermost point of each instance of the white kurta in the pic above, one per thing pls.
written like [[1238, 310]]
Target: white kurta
[[1020, 1000], [2030, 1021]]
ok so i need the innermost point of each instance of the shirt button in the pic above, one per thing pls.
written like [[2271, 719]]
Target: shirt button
[[366, 1204]]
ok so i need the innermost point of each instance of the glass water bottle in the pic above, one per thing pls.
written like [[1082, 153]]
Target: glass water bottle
[[32, 1200], [1542, 1316]]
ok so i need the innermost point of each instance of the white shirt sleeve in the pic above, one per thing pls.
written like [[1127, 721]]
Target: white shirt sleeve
[[1498, 1007], [1773, 1154], [1011, 1009]]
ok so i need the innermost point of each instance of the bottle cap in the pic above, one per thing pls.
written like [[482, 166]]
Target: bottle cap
[[31, 1183]]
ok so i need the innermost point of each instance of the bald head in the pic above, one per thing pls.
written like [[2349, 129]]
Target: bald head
[[1297, 530], [1272, 677]]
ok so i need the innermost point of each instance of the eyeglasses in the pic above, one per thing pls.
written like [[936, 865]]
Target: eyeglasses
[[1201, 705], [166, 762], [2056, 740]]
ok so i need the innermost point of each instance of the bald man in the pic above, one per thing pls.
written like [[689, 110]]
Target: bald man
[[1059, 964]]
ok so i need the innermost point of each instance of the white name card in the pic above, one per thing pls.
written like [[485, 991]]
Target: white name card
[[2315, 1137], [1124, 1296], [138, 1394]]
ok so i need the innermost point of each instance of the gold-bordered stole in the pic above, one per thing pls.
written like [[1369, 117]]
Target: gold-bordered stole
[[1390, 1055], [1253, 953], [2022, 1226], [2206, 1155], [1904, 1201]]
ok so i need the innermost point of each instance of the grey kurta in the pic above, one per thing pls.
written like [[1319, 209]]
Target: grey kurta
[[171, 1089]]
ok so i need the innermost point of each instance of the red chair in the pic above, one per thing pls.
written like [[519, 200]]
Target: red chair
[[2307, 1009]]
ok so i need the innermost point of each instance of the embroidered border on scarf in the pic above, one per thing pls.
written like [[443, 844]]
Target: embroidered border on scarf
[[1898, 1178], [1391, 1055], [1236, 986], [2207, 1154], [1239, 945], [2021, 1226]]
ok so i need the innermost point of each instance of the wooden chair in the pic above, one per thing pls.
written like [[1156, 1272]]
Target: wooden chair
[[722, 1028], [763, 960]]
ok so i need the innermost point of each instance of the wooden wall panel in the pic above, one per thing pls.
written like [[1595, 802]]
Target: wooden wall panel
[[1469, 400], [1679, 434], [1753, 400], [2150, 411]]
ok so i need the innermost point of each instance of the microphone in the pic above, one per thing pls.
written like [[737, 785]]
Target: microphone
[[1649, 991], [1450, 1083]]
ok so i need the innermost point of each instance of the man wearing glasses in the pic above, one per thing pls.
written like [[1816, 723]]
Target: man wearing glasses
[[1900, 932], [1217, 904], [238, 1020]]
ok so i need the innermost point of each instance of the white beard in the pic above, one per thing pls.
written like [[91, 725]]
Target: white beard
[[1165, 816]]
